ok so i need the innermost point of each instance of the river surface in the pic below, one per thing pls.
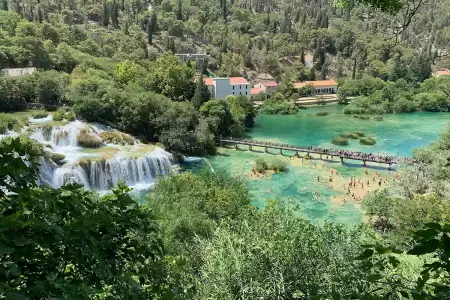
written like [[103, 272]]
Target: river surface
[[396, 135]]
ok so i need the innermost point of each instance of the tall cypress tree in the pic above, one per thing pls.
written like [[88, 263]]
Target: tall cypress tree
[[115, 14], [5, 4], [201, 94], [180, 10], [105, 16], [150, 31], [225, 10]]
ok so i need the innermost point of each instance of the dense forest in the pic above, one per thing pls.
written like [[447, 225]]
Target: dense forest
[[197, 236]]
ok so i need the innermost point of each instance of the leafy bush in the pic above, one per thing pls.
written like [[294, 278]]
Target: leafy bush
[[351, 135], [88, 140], [277, 105], [9, 123], [278, 165], [323, 113], [116, 137], [64, 114], [40, 115], [359, 133], [341, 141], [69, 116], [58, 115], [354, 111], [260, 165], [367, 141]]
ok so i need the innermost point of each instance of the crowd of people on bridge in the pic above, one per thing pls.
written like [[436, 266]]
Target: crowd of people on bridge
[[356, 155]]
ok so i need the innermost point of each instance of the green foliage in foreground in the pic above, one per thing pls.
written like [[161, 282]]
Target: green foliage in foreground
[[71, 243]]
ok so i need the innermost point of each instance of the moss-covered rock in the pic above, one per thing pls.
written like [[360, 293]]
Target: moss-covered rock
[[116, 137], [57, 158], [88, 140], [367, 141], [349, 135], [340, 141]]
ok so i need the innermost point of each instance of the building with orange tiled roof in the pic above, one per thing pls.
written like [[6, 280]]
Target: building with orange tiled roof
[[220, 88], [321, 86], [268, 87], [444, 72]]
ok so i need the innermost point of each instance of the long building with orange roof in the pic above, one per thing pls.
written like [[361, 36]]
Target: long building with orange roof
[[321, 86]]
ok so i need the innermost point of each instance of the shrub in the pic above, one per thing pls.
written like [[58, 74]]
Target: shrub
[[278, 165], [359, 133], [355, 111], [341, 141], [349, 135], [9, 123], [367, 141], [116, 137], [88, 140], [321, 114], [58, 115], [378, 118], [69, 116], [260, 165], [40, 115], [302, 107]]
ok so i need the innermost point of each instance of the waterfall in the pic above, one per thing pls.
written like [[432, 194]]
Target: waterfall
[[59, 136], [94, 168], [104, 174]]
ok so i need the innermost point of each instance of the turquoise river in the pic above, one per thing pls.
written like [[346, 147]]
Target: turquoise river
[[396, 135]]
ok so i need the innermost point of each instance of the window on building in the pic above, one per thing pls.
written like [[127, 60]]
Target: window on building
[[246, 94], [240, 87], [233, 87], [240, 93]]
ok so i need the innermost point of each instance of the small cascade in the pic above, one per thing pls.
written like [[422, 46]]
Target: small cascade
[[59, 136], [46, 171], [104, 174]]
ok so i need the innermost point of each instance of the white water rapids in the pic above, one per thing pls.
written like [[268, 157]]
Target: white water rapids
[[99, 169]]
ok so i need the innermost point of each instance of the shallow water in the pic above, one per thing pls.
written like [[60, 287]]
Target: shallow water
[[396, 135]]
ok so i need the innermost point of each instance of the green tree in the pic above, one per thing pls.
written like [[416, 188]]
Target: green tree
[[105, 13], [50, 87], [201, 94]]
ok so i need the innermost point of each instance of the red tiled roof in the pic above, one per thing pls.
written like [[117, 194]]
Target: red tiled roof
[[238, 80], [256, 91], [233, 80], [269, 83], [443, 72], [208, 81], [317, 83]]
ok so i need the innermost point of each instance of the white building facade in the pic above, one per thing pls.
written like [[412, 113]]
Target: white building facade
[[220, 88]]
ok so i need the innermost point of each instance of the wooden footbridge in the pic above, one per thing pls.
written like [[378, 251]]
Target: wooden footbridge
[[341, 153]]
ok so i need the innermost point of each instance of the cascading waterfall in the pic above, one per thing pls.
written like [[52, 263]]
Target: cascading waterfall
[[98, 171], [59, 136], [103, 174]]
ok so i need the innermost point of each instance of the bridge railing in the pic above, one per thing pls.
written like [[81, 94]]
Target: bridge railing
[[318, 150]]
